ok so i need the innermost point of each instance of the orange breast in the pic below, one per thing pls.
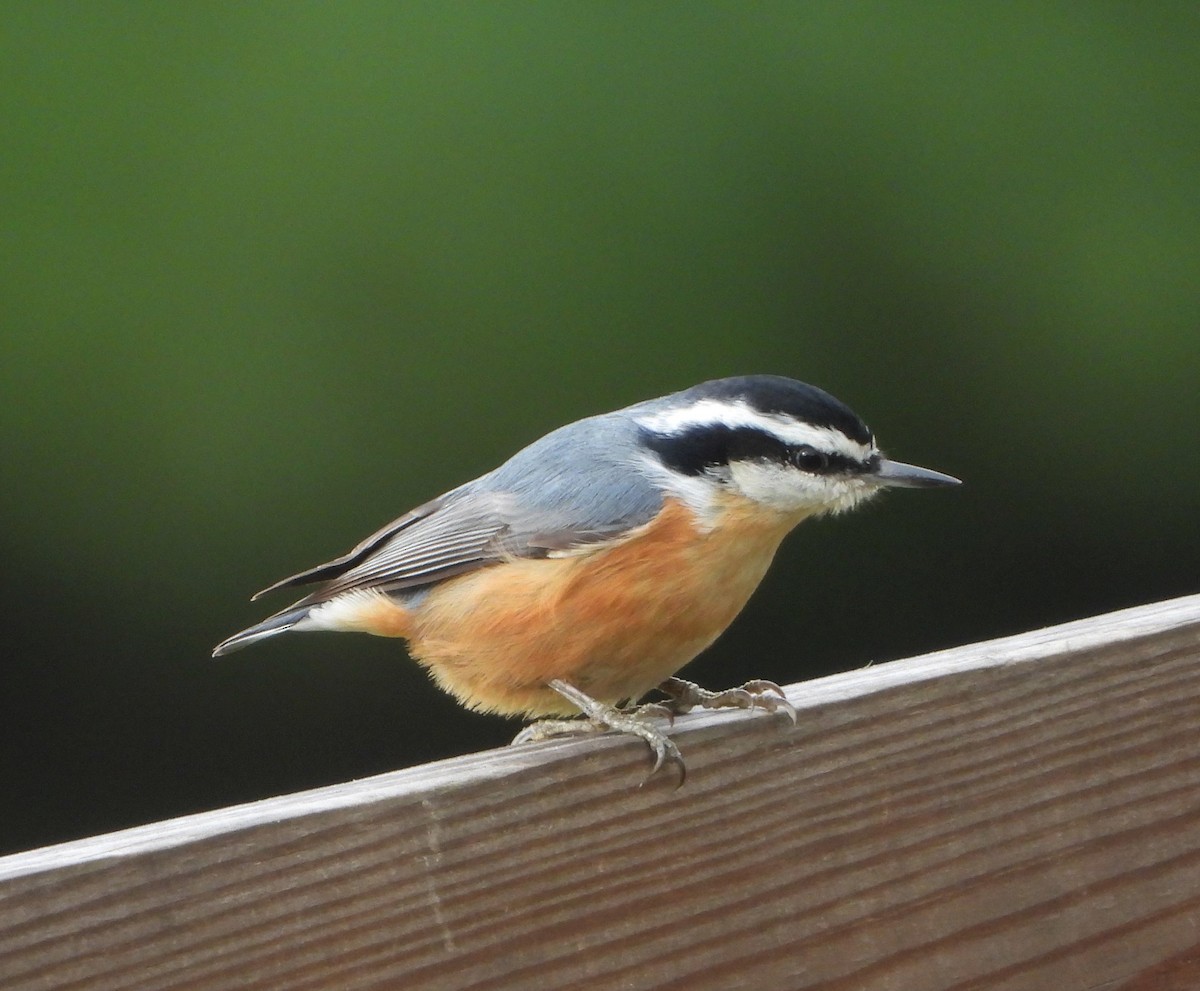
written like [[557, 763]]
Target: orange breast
[[614, 622]]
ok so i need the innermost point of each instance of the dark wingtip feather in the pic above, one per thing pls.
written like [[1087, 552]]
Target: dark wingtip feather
[[339, 566], [281, 622]]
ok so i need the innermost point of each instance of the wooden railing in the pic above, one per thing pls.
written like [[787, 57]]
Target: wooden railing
[[1019, 814]]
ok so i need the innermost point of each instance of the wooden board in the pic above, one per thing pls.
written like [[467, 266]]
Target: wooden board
[[1019, 814]]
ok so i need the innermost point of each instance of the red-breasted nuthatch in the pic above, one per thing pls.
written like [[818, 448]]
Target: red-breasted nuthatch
[[594, 564]]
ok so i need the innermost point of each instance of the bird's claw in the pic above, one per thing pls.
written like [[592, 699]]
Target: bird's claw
[[683, 696], [601, 717]]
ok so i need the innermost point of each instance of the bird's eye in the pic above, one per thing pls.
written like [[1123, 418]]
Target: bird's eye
[[810, 459]]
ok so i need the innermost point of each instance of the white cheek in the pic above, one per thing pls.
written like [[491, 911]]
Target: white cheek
[[792, 491], [694, 492]]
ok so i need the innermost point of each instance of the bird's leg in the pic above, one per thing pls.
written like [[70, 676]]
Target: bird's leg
[[683, 696], [601, 717]]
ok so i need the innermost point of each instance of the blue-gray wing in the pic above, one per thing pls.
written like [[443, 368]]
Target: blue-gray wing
[[571, 490]]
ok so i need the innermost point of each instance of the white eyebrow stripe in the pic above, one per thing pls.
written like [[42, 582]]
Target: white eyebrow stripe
[[716, 412]]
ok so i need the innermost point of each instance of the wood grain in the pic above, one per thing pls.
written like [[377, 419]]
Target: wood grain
[[1019, 814]]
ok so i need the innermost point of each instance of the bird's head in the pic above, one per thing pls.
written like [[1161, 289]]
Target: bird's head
[[784, 445]]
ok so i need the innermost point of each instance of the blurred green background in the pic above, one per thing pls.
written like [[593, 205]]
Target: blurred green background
[[273, 273]]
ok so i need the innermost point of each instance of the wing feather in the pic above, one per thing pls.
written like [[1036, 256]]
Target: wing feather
[[565, 494], [339, 565], [449, 537]]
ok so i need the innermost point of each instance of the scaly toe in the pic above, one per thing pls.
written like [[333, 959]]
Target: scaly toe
[[759, 694], [650, 710], [551, 729], [665, 752], [734, 698], [601, 716], [769, 696], [761, 686]]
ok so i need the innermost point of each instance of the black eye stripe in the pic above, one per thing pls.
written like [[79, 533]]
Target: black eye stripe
[[823, 462], [693, 451]]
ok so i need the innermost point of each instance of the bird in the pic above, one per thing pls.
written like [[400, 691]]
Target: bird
[[589, 568]]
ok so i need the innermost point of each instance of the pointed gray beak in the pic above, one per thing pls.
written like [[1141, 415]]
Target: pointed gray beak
[[900, 475]]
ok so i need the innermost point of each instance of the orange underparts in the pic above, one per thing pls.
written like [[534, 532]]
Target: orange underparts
[[614, 621]]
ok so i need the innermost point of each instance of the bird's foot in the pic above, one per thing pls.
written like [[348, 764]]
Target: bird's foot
[[683, 696], [601, 717]]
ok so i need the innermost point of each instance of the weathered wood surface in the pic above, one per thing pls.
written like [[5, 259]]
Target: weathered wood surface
[[1019, 814]]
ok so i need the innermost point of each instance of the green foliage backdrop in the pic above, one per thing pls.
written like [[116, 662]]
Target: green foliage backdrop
[[275, 272]]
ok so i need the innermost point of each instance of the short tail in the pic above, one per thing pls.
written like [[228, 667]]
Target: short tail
[[281, 622]]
